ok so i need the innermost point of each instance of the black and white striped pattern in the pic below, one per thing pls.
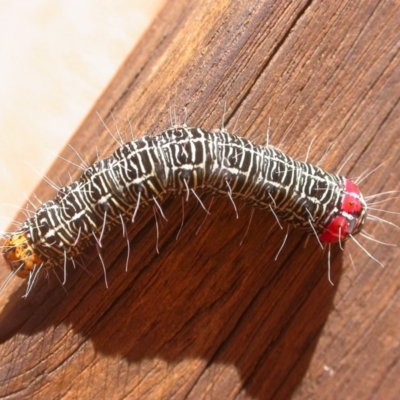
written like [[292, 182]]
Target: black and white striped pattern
[[175, 162]]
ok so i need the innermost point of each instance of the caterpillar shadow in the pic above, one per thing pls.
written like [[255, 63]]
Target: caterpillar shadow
[[205, 297]]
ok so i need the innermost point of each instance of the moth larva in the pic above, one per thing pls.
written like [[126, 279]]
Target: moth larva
[[175, 162]]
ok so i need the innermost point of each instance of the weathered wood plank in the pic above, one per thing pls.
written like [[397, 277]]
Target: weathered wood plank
[[208, 317]]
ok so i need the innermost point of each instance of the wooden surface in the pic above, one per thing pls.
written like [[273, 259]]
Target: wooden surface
[[57, 57], [208, 317]]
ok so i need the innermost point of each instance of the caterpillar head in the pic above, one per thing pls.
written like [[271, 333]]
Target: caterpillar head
[[20, 256], [349, 219]]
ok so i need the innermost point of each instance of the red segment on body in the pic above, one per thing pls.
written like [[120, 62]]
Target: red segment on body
[[350, 217]]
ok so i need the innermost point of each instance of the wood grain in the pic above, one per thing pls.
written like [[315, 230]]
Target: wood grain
[[208, 317]]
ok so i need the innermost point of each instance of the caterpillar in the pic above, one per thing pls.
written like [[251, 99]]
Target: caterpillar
[[180, 161]]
